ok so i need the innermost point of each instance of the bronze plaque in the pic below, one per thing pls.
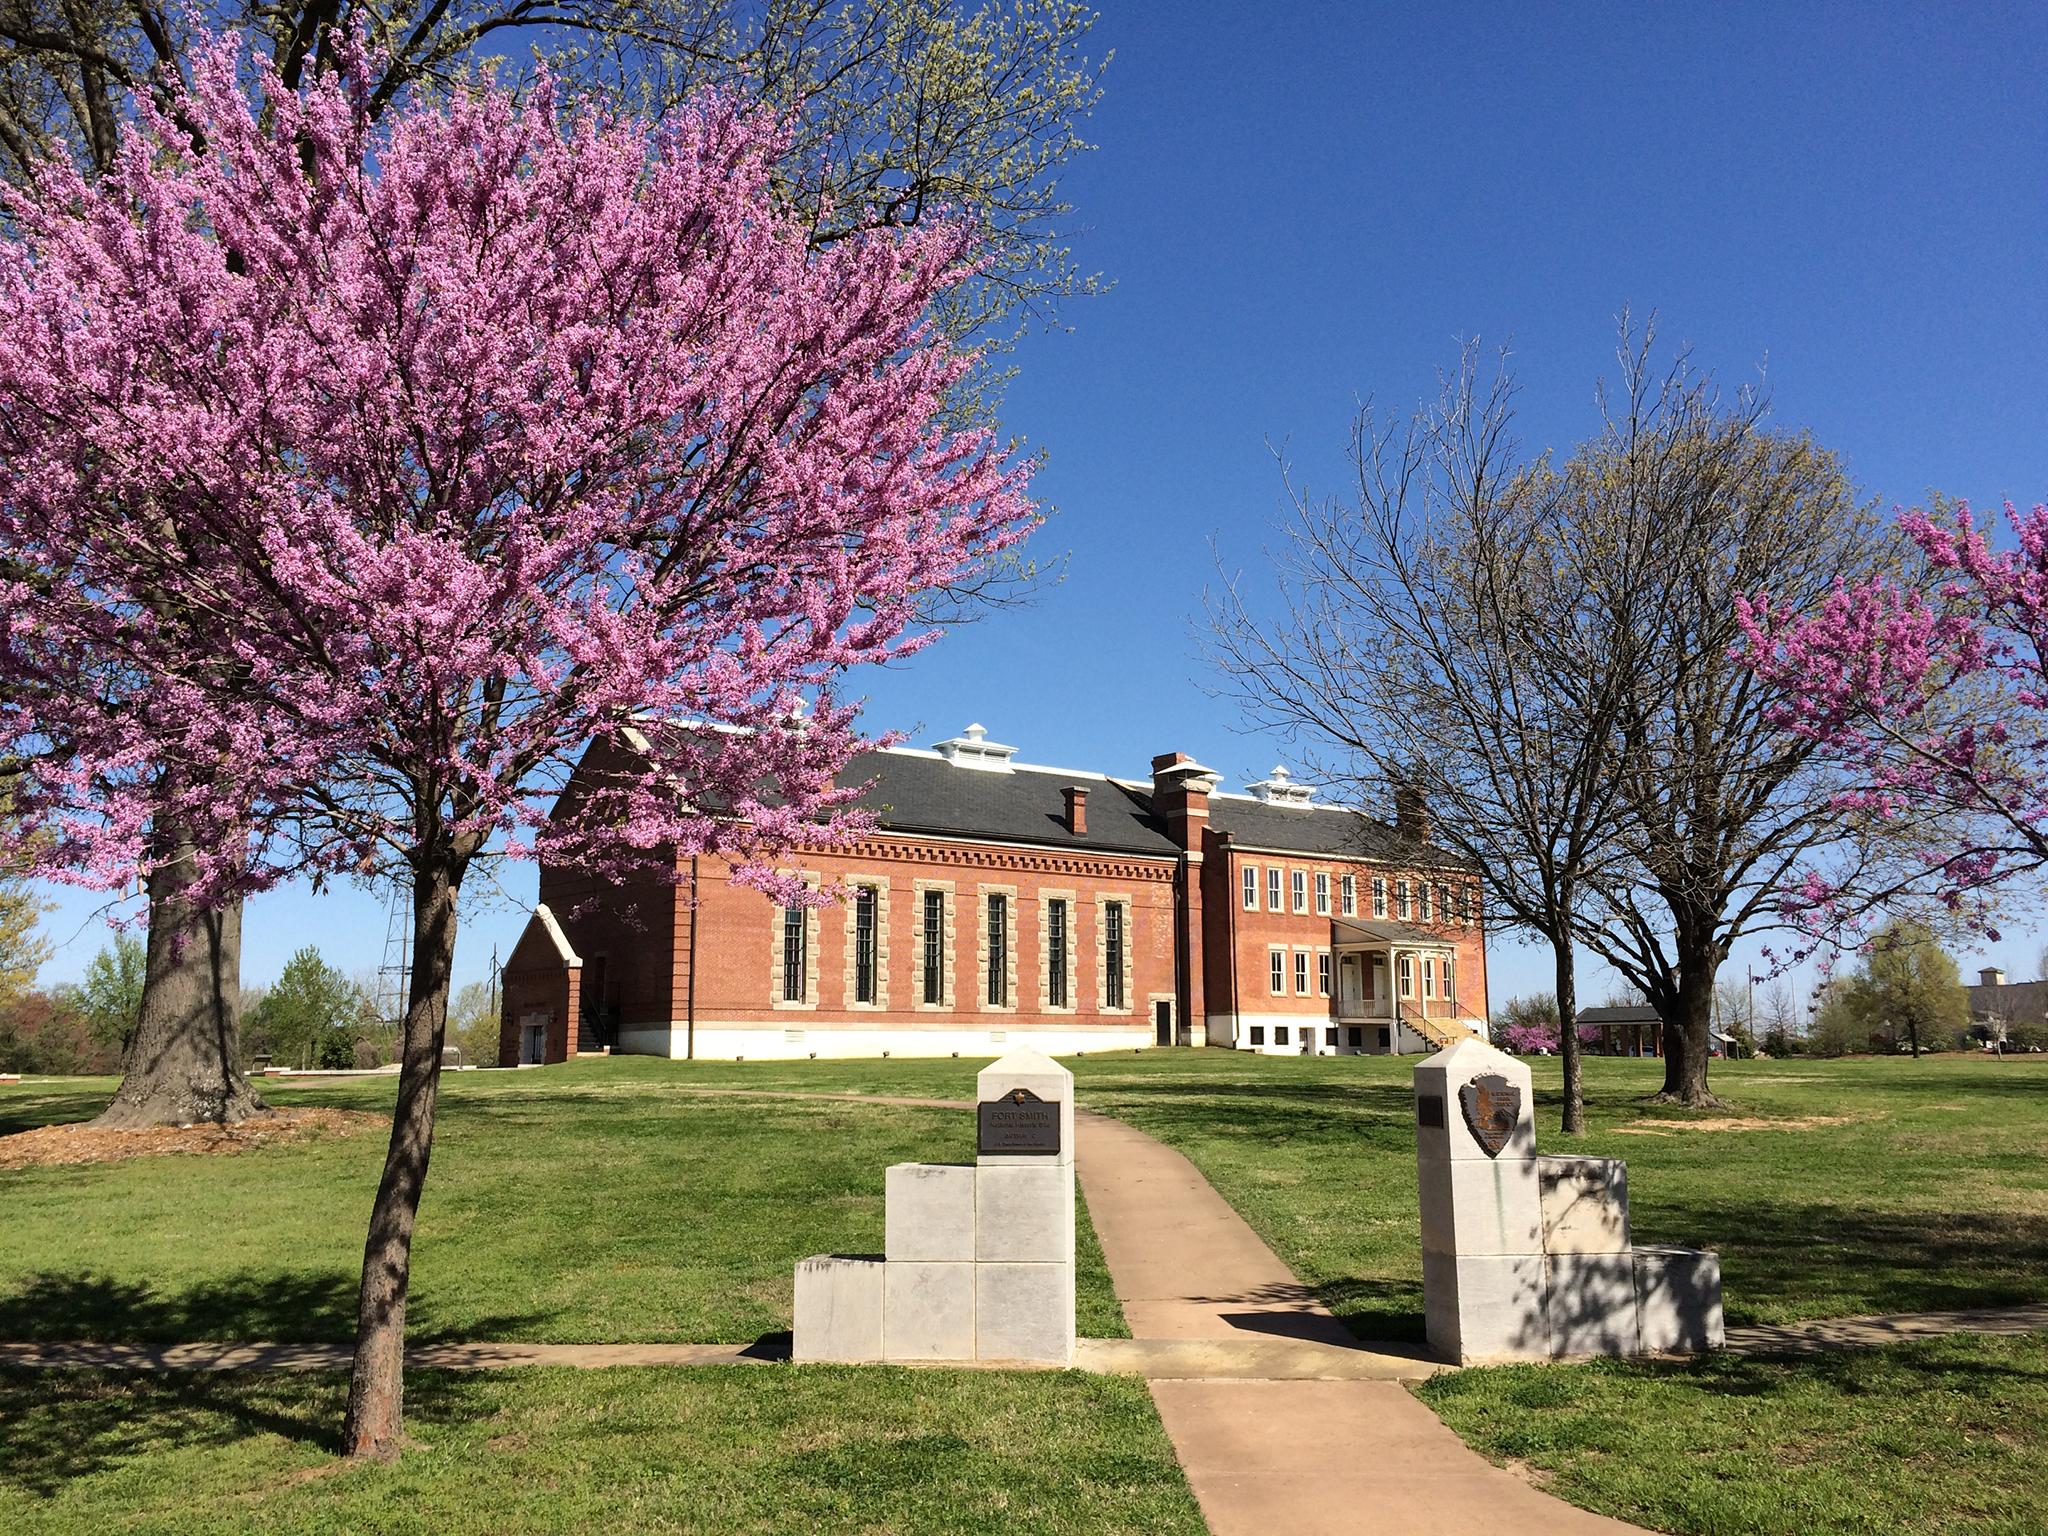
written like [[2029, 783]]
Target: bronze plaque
[[1429, 1111], [1492, 1105], [1020, 1121]]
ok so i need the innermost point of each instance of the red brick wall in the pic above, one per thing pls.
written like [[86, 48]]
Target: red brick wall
[[736, 943], [1257, 932], [632, 930], [537, 981]]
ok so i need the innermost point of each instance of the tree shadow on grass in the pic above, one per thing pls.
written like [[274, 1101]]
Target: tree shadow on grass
[[63, 1425], [1808, 1260], [34, 1109], [269, 1306]]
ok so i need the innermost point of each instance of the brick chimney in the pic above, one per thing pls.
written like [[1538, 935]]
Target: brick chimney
[[1180, 797], [1180, 794], [1077, 810], [1411, 814]]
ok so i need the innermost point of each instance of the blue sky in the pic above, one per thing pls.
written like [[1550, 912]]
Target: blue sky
[[1302, 206]]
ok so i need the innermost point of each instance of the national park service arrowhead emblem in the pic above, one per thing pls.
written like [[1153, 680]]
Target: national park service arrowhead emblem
[[1492, 1105]]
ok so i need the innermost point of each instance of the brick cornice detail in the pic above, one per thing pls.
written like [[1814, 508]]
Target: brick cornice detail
[[1016, 860]]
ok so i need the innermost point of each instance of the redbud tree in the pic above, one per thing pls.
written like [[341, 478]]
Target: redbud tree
[[1932, 697], [359, 475]]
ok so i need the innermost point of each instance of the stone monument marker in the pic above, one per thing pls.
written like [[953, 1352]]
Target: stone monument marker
[[1527, 1257], [979, 1261]]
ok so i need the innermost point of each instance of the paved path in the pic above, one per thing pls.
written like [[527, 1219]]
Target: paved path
[[1294, 1456]]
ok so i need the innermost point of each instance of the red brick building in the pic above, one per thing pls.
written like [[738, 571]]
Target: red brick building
[[1001, 903]]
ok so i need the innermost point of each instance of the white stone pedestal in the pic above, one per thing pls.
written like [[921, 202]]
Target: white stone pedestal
[[980, 1260]]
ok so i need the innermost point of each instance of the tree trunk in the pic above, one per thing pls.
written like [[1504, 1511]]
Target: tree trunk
[[1685, 1073], [184, 1064], [376, 1390], [1913, 1034], [1568, 1038]]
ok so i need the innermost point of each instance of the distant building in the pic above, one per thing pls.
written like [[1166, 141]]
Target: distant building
[[1627, 1029], [1998, 1006], [1000, 903]]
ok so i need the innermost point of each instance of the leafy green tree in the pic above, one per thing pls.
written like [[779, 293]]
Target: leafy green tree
[[473, 1024], [22, 949], [110, 997], [1910, 989], [312, 1006]]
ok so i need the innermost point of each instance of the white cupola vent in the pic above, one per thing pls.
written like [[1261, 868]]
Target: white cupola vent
[[972, 749], [1279, 788]]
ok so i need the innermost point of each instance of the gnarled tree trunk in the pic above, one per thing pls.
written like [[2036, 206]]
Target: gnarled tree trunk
[[376, 1392], [184, 1066]]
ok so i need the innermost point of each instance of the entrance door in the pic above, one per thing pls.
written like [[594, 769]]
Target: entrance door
[[1350, 987], [1162, 1021], [533, 1037]]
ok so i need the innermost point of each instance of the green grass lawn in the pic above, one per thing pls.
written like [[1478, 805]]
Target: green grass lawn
[[577, 1204], [1933, 1194], [588, 1202], [594, 1201], [724, 1450], [1948, 1435]]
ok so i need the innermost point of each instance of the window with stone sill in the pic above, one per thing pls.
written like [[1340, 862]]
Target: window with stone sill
[[1443, 904], [1276, 969], [1251, 887], [1407, 975], [1115, 951], [1422, 900], [1401, 900], [865, 968], [1379, 896], [1350, 895], [793, 954], [998, 951], [1323, 974], [1301, 973], [1300, 887], [1428, 977], [1273, 889], [1322, 894], [1056, 953], [932, 935]]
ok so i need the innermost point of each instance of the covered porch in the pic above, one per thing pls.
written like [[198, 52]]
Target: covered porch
[[1397, 988]]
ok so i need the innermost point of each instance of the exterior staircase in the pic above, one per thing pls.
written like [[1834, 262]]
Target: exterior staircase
[[1440, 1032]]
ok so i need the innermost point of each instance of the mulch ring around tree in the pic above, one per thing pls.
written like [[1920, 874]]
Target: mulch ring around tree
[[54, 1146]]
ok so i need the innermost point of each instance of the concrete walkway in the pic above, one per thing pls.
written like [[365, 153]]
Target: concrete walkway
[[1295, 1456]]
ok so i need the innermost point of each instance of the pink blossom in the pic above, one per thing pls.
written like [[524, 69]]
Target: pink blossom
[[345, 511]]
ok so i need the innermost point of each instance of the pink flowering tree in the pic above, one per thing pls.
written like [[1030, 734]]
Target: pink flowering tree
[[344, 510], [1933, 700]]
